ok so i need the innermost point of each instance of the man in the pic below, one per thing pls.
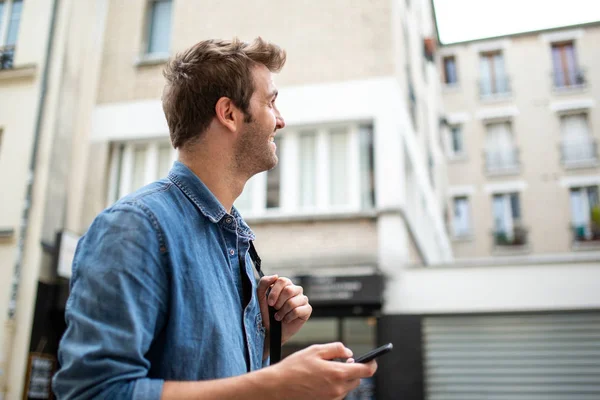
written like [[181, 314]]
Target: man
[[163, 299]]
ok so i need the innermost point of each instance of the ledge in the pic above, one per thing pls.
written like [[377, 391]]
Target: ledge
[[6, 234], [309, 217], [148, 60], [581, 164], [19, 72]]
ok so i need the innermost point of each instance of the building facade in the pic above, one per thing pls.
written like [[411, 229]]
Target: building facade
[[357, 198], [522, 149], [48, 75], [517, 314]]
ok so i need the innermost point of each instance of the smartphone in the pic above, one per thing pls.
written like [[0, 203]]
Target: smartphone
[[365, 358]]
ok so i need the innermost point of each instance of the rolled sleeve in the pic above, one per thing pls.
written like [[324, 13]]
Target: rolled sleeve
[[116, 307]]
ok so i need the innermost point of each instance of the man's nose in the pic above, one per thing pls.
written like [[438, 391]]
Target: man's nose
[[280, 124]]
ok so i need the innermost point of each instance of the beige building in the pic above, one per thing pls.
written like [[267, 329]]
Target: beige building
[[48, 76], [522, 145], [358, 195]]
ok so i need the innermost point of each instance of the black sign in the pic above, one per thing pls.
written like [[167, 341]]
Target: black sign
[[343, 290]]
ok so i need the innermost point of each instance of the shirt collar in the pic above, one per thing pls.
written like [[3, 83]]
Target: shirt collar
[[204, 199]]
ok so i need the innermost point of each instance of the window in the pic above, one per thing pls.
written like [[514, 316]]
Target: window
[[494, 80], [159, 27], [274, 181], [456, 142], [577, 145], [450, 76], [327, 169], [585, 214], [508, 230], [10, 18], [566, 73], [501, 154], [136, 164], [461, 225]]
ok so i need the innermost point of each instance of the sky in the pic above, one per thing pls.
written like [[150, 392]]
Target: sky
[[462, 20]]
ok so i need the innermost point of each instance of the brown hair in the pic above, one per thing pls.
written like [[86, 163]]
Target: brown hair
[[207, 71]]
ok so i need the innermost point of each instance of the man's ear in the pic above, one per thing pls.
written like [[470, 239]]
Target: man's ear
[[228, 114]]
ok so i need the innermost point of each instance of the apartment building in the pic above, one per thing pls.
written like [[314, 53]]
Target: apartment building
[[48, 75], [517, 314], [522, 149], [355, 201]]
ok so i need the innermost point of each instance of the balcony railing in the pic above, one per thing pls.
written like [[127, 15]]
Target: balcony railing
[[586, 233], [569, 79], [515, 237], [7, 54], [579, 152], [502, 161], [498, 86]]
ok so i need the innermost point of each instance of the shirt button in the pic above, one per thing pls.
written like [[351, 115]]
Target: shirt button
[[231, 252], [229, 220]]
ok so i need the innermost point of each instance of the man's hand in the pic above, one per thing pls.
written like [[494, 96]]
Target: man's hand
[[308, 373], [292, 306]]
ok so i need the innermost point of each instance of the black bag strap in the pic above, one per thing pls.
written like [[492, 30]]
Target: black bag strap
[[275, 326]]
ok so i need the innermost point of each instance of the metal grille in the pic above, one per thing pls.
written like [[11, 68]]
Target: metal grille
[[524, 357]]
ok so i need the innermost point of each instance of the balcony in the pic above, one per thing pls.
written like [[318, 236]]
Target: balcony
[[502, 161], [512, 239], [568, 79], [7, 54], [495, 89], [579, 153], [586, 234]]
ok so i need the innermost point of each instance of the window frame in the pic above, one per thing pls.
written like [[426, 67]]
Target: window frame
[[469, 232], [148, 25], [445, 71], [452, 153], [289, 201], [121, 165]]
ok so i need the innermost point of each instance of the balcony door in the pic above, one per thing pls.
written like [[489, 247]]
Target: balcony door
[[576, 140], [500, 147], [493, 73], [566, 73]]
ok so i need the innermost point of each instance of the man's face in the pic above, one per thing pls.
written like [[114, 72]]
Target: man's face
[[255, 149]]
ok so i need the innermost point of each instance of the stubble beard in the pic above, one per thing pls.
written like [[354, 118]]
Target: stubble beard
[[253, 151]]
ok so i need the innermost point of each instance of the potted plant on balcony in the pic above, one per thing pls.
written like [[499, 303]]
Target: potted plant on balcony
[[595, 222]]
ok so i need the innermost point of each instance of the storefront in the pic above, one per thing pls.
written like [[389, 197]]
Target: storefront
[[345, 309]]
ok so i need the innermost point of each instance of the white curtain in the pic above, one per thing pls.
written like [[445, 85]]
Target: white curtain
[[500, 146], [308, 169], [559, 75], [576, 138], [139, 168], [503, 220], [485, 72], [339, 167], [580, 211], [462, 217], [244, 202], [500, 74], [159, 36], [164, 160]]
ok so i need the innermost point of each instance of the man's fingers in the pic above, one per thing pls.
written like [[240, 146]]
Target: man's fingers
[[295, 308], [264, 284], [330, 351], [277, 289]]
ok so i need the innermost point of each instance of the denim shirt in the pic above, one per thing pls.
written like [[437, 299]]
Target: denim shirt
[[156, 295]]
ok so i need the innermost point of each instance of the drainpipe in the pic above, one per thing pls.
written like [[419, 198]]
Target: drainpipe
[[12, 308]]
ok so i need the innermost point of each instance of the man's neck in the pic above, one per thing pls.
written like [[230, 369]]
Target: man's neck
[[216, 173]]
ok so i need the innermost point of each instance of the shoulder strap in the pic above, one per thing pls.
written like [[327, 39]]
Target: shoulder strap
[[275, 326]]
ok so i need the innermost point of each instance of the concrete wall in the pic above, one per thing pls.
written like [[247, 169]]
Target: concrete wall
[[536, 129]]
